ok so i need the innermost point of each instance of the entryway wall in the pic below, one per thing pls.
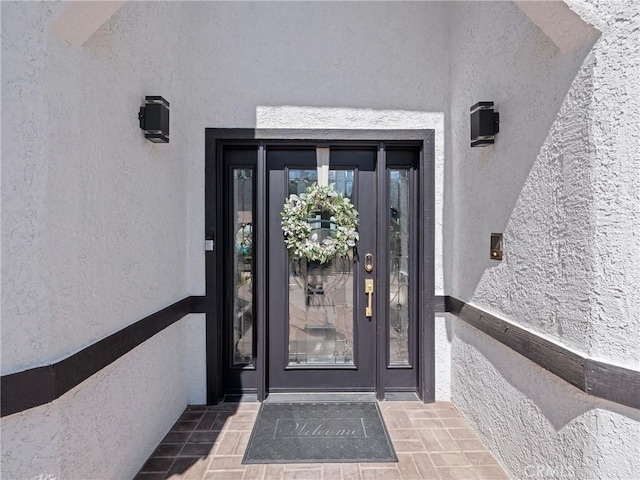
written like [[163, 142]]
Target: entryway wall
[[357, 70], [101, 228]]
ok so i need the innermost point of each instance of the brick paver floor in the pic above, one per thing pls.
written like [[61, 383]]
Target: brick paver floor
[[432, 441]]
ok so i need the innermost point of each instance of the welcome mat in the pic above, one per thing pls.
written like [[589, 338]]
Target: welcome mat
[[319, 433]]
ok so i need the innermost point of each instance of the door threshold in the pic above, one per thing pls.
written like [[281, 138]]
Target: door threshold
[[320, 397]]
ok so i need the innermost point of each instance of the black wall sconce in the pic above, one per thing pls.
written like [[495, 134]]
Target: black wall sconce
[[485, 123], [154, 119]]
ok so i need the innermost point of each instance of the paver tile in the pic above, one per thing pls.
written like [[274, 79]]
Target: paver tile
[[457, 473], [403, 434], [149, 476], [167, 450], [380, 474], [228, 443], [402, 419], [184, 425], [428, 423], [425, 465], [449, 459], [226, 463], [331, 471], [471, 445], [196, 449], [205, 437], [491, 473], [196, 408], [454, 422], [408, 446], [350, 471], [274, 472], [254, 472], [407, 468], [481, 458], [191, 415], [186, 468], [176, 437], [447, 413], [413, 414], [225, 475], [157, 464], [462, 433], [307, 474], [429, 440]]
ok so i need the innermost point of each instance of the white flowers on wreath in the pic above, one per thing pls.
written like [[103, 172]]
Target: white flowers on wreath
[[299, 209]]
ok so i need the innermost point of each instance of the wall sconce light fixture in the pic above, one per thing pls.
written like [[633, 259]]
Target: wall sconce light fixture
[[154, 119], [485, 123]]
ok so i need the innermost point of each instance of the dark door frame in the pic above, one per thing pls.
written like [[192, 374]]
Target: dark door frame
[[214, 228]]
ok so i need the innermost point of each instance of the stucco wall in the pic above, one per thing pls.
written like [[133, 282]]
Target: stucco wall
[[559, 182], [331, 65], [614, 118], [106, 426], [312, 65], [93, 215], [93, 235], [537, 425], [95, 218]]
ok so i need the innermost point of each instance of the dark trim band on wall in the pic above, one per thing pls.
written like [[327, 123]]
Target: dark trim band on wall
[[598, 379], [38, 386]]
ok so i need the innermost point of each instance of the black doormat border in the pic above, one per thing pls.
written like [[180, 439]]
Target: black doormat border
[[319, 432]]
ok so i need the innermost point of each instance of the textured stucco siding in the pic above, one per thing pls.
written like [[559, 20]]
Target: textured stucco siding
[[561, 183], [106, 426], [313, 65], [533, 184], [93, 215], [537, 425], [614, 117], [93, 236]]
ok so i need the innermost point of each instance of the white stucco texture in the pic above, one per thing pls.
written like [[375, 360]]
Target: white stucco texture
[[93, 215], [443, 336], [311, 65], [196, 351], [93, 236], [109, 424], [561, 182], [537, 425]]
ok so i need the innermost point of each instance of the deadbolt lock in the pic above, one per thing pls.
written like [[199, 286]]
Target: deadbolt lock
[[368, 262]]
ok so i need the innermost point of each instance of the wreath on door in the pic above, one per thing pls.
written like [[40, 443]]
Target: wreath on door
[[302, 212]]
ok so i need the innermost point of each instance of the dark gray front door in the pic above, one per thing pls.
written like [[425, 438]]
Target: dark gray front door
[[319, 335]]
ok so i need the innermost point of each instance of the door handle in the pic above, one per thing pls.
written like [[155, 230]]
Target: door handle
[[368, 288]]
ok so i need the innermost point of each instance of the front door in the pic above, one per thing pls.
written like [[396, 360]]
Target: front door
[[320, 336], [289, 324]]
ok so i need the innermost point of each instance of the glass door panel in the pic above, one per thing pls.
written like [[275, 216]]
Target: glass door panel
[[321, 297], [242, 264], [399, 258]]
